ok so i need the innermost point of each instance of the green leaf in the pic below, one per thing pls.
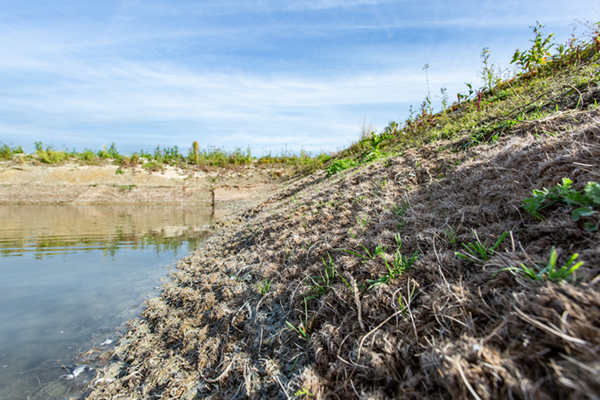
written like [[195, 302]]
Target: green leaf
[[533, 204], [566, 183], [574, 198], [592, 191], [582, 212]]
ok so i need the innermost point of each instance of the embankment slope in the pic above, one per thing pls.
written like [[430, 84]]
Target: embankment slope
[[444, 328]]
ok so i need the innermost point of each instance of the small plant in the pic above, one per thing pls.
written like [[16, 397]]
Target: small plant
[[392, 128], [303, 328], [562, 193], [360, 198], [380, 249], [549, 271], [399, 211], [126, 188], [363, 225], [151, 166], [427, 107], [444, 97], [450, 235], [400, 265], [479, 252], [401, 225], [304, 392], [119, 171], [339, 165], [539, 53], [263, 287], [489, 73], [322, 283], [6, 152], [398, 240], [404, 304]]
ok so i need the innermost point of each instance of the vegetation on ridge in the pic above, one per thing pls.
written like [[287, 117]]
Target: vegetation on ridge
[[543, 84], [208, 157]]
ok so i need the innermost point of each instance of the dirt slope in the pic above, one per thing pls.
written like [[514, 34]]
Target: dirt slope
[[446, 328]]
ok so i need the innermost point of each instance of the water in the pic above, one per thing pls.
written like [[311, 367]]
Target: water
[[71, 277]]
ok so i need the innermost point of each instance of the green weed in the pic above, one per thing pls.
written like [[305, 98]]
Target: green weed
[[479, 252], [490, 74], [400, 265], [583, 201], [49, 155], [363, 225], [380, 249], [263, 287], [405, 304], [322, 283], [451, 236], [127, 187], [339, 165], [538, 54], [400, 211], [303, 328], [549, 271], [152, 166], [7, 153], [304, 392]]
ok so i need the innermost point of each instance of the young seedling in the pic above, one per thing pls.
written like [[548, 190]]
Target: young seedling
[[401, 225], [380, 249], [322, 283], [479, 252], [363, 225], [399, 211], [549, 271], [304, 392], [263, 287], [450, 235], [400, 265], [398, 240], [405, 304], [303, 328]]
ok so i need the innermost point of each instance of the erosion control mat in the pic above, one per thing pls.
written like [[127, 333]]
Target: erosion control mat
[[336, 323]]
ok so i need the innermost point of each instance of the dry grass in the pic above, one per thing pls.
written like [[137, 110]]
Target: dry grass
[[466, 331]]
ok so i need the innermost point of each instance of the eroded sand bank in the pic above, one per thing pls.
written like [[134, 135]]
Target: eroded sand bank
[[29, 184]]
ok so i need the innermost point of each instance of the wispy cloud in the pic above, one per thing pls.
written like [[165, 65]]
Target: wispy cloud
[[235, 72]]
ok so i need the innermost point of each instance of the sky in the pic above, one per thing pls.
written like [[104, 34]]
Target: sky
[[269, 74]]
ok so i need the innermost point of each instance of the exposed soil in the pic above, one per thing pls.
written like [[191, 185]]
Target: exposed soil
[[41, 184], [446, 328]]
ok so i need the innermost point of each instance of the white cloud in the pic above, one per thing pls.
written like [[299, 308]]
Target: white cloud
[[268, 73]]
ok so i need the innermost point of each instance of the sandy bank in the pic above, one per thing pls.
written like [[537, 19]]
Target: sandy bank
[[28, 184]]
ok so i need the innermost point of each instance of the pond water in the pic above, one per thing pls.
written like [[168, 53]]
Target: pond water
[[70, 279]]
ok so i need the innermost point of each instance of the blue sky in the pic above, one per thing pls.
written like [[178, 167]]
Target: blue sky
[[229, 73]]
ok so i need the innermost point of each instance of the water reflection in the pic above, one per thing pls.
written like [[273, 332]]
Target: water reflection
[[70, 278], [52, 230]]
